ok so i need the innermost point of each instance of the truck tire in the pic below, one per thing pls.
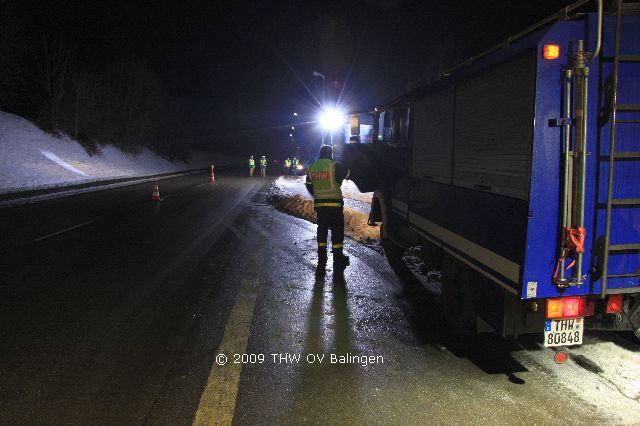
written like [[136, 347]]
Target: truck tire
[[392, 251], [459, 302]]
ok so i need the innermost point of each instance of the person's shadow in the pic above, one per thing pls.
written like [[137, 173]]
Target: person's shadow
[[342, 338], [327, 384], [314, 333]]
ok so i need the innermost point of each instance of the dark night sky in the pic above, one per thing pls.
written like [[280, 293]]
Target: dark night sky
[[245, 64]]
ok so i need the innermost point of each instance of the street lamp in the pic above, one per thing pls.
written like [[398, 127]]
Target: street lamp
[[293, 135], [317, 74]]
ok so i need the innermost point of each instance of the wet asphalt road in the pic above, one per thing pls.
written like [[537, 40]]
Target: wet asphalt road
[[116, 309]]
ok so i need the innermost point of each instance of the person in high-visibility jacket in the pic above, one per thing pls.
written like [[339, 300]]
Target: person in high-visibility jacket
[[287, 166], [324, 179], [263, 166], [252, 165]]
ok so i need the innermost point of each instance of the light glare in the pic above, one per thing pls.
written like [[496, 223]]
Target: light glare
[[331, 120]]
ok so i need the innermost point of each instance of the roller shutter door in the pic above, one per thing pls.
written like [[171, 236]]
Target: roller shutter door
[[494, 117], [433, 137]]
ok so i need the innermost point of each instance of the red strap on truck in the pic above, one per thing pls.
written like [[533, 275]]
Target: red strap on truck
[[574, 238], [573, 241]]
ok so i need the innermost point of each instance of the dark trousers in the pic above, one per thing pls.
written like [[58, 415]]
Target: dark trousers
[[330, 218]]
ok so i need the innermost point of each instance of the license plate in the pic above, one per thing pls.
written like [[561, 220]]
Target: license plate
[[563, 332]]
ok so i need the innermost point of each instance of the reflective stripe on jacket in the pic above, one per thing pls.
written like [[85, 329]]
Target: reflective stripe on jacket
[[252, 163]]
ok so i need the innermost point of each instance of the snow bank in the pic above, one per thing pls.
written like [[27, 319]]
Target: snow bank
[[32, 159], [291, 196], [431, 279]]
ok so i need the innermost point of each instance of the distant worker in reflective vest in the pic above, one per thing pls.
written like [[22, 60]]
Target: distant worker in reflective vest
[[252, 165], [287, 166], [324, 179], [294, 167], [263, 166]]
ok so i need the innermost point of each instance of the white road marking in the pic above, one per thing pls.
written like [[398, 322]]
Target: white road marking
[[63, 231]]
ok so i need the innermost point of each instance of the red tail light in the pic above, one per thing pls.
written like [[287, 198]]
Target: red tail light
[[560, 357], [565, 307], [573, 306], [614, 304]]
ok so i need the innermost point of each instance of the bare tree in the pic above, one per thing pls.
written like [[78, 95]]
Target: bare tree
[[56, 67], [85, 92], [135, 104], [13, 48]]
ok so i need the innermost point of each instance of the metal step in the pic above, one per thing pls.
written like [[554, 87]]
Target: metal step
[[624, 247], [629, 58], [623, 275], [626, 201], [623, 290], [622, 58], [627, 107], [626, 155], [622, 156], [629, 8]]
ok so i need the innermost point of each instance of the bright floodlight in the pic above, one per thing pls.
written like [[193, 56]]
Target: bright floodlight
[[331, 120]]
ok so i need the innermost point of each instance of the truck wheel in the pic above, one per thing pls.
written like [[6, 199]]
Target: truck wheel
[[459, 300], [431, 257], [393, 252]]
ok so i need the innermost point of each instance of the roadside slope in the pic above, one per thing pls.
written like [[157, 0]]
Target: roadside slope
[[31, 159]]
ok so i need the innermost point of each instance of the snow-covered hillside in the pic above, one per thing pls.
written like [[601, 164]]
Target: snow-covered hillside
[[32, 159]]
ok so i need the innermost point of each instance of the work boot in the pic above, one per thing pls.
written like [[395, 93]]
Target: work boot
[[322, 257], [340, 260]]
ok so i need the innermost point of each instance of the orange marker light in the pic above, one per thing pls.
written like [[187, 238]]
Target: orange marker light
[[551, 51], [554, 308]]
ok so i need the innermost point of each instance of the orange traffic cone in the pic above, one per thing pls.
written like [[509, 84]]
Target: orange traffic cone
[[155, 195], [213, 176]]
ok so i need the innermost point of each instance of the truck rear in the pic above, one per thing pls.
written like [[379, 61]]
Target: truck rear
[[520, 175]]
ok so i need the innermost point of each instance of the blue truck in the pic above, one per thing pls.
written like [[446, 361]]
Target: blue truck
[[518, 172]]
